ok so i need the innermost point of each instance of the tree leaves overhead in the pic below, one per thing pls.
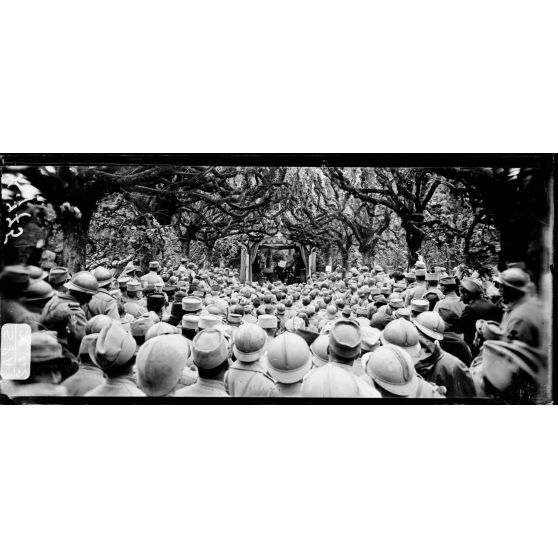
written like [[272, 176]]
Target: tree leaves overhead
[[448, 215]]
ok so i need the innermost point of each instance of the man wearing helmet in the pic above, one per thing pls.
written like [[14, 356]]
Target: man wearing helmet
[[80, 290], [102, 302]]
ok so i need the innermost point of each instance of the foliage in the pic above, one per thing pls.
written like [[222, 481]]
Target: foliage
[[351, 215]]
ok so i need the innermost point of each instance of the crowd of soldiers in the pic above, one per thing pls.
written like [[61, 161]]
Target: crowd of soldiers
[[363, 332]]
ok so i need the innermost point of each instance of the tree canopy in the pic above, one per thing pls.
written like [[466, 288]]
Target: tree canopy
[[479, 217]]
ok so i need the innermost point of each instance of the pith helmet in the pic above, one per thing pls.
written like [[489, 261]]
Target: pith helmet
[[38, 291], [515, 278], [160, 362], [402, 333], [319, 350], [472, 285], [103, 275], [288, 358], [431, 324], [249, 342], [392, 368], [84, 282]]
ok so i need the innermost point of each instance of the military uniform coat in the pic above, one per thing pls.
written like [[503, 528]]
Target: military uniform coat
[[416, 292], [204, 388], [443, 369], [454, 345], [102, 303], [87, 378], [524, 321], [248, 379], [480, 308], [77, 326], [451, 302], [121, 386]]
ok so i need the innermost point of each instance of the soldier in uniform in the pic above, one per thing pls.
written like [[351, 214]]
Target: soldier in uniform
[[336, 378], [134, 305], [524, 315], [476, 308], [57, 276], [210, 352], [160, 363], [113, 351], [48, 365], [80, 290], [288, 360], [14, 280], [419, 289], [451, 300], [247, 375], [433, 294], [391, 372], [102, 302], [436, 365], [89, 376]]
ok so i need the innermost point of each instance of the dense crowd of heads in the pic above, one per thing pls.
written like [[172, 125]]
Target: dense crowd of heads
[[177, 330]]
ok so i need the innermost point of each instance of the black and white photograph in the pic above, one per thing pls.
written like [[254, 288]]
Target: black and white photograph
[[158, 280], [277, 279]]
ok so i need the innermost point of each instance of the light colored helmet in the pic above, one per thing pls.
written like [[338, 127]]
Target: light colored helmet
[[430, 324], [103, 275], [515, 278], [161, 328], [84, 282], [38, 291], [392, 368], [160, 362], [249, 342], [319, 350], [402, 333], [288, 358], [96, 323]]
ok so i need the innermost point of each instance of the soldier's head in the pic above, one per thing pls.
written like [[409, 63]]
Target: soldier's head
[[344, 341], [470, 289], [211, 353], [432, 279], [448, 285], [513, 284], [82, 286]]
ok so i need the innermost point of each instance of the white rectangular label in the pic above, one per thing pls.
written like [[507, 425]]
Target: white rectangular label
[[15, 353]]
